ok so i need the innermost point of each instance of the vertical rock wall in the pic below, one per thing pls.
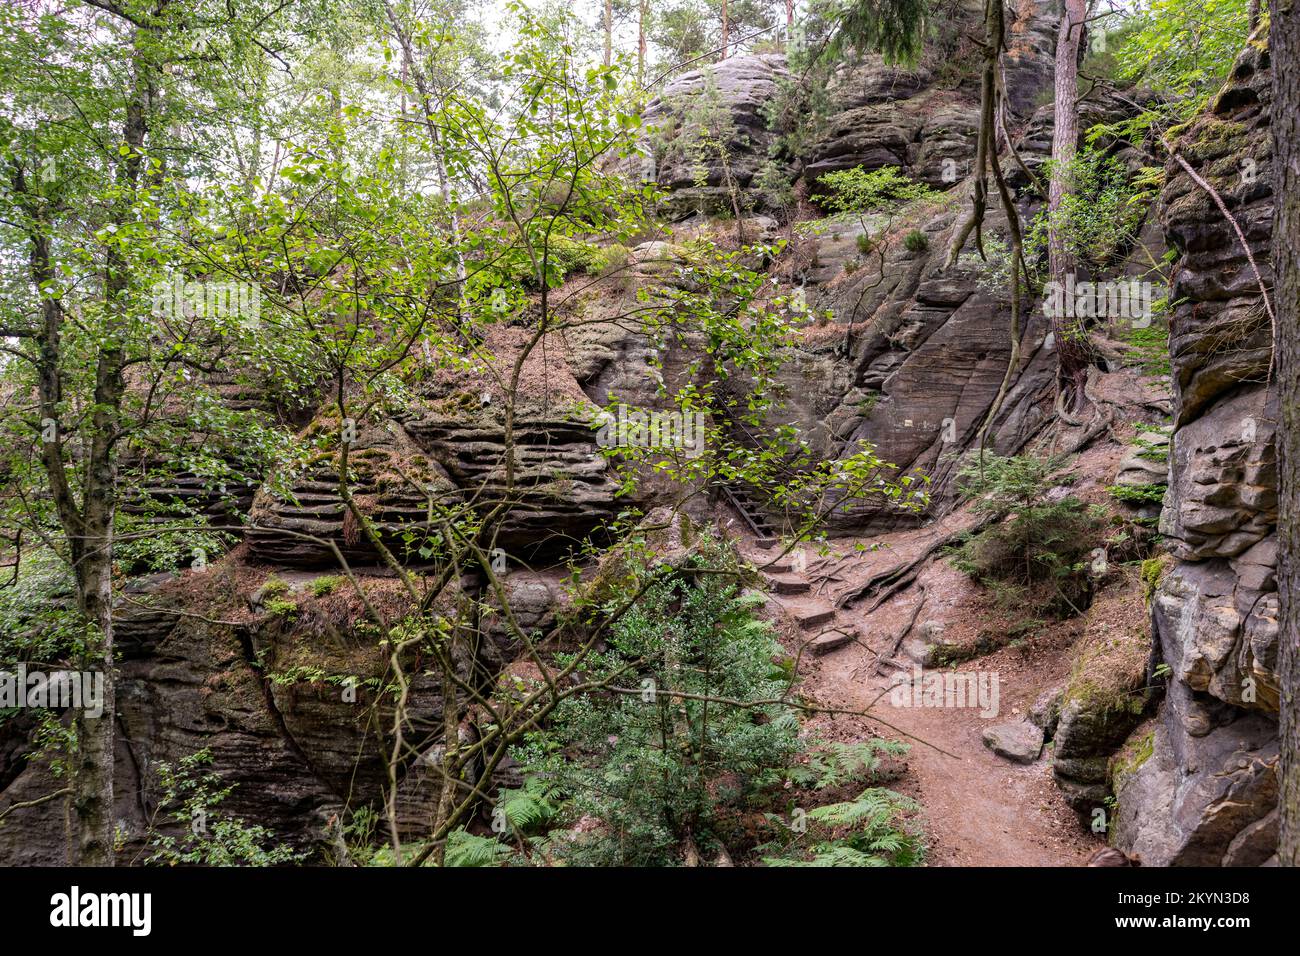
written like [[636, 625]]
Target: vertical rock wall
[[1201, 788]]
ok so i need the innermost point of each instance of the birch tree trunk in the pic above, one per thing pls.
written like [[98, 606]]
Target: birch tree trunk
[[609, 31], [643, 12]]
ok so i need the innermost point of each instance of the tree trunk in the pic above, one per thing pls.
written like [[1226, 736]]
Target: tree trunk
[[91, 537], [726, 30], [1285, 53], [643, 10], [1071, 348], [609, 31], [92, 783]]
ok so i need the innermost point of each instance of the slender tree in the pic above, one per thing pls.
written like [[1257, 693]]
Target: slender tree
[[1285, 54], [642, 23], [1071, 341], [102, 141], [609, 31], [80, 458]]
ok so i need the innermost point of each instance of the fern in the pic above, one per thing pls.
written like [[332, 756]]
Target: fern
[[833, 854], [530, 808], [469, 849], [873, 808], [871, 830], [838, 763]]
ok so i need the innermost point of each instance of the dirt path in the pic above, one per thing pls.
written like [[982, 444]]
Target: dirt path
[[979, 809]]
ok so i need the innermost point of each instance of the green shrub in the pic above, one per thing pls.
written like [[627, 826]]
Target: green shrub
[[327, 584], [208, 837], [607, 259], [870, 830], [1037, 548], [1100, 214], [1138, 495], [281, 607], [38, 616], [694, 746], [652, 766], [856, 190], [1147, 348], [916, 241], [465, 849], [564, 256], [572, 255], [274, 586], [876, 827]]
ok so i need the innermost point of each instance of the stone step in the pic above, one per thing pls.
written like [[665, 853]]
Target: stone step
[[827, 641], [787, 585], [810, 617]]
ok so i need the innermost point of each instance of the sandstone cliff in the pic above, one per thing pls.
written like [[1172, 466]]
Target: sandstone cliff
[[1200, 787]]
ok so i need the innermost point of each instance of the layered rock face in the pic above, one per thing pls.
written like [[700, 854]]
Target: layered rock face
[[926, 119], [449, 447], [902, 353], [273, 666], [183, 686], [1205, 787], [281, 688], [713, 128]]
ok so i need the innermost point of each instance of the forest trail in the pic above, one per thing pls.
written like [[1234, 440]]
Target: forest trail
[[978, 809]]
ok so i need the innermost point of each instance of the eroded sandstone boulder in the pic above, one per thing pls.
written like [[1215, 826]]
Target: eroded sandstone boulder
[[1019, 741], [711, 133]]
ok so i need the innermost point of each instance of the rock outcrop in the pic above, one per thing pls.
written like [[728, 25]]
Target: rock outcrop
[[285, 697], [712, 134], [448, 446], [713, 128], [1203, 786], [903, 353]]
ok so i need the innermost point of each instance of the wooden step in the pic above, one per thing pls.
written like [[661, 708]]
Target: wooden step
[[788, 585], [810, 617], [831, 640]]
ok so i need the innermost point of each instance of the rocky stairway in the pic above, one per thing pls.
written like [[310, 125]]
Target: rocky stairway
[[814, 616]]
